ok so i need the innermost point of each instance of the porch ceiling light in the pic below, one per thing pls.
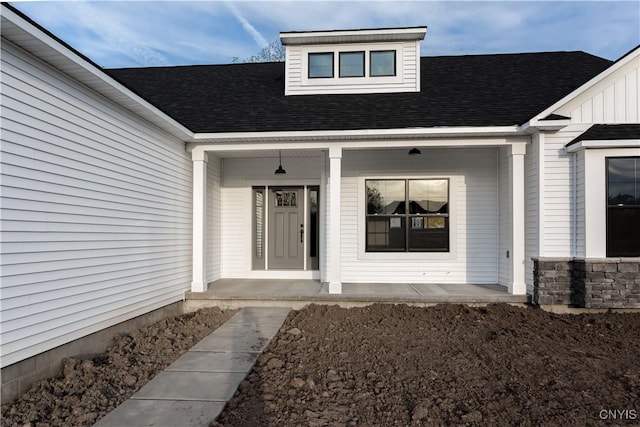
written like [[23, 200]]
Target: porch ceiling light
[[280, 170], [414, 152]]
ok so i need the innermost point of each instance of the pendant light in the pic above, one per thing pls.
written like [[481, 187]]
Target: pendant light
[[415, 152], [280, 170]]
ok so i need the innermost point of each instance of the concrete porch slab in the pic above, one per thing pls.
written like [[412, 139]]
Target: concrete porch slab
[[237, 293]]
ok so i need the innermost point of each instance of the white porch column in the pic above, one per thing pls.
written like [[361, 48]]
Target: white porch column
[[335, 177], [199, 274], [517, 283]]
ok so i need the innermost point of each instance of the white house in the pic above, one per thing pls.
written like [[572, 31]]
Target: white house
[[123, 189]]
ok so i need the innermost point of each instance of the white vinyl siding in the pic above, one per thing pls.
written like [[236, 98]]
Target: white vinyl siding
[[406, 79], [473, 217], [558, 222], [532, 206], [96, 211]]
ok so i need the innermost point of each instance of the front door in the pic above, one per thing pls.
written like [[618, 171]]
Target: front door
[[286, 228]]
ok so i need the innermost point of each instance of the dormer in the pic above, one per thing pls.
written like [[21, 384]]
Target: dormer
[[353, 61]]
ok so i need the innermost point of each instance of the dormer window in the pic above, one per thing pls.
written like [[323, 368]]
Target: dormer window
[[382, 60], [321, 65], [351, 64], [382, 63]]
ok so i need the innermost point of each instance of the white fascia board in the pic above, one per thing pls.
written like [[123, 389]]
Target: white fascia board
[[69, 62], [632, 56], [604, 144], [360, 139], [353, 135], [553, 125], [350, 36]]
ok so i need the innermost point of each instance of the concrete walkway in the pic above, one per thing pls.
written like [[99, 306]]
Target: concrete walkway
[[194, 389]]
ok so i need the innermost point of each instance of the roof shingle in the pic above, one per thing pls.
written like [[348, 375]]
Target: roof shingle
[[608, 133], [473, 90]]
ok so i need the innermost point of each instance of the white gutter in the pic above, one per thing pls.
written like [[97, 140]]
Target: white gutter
[[611, 143], [351, 135]]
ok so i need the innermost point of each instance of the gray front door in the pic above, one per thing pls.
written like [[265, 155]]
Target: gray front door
[[286, 228]]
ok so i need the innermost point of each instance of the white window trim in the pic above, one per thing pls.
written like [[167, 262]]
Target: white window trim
[[595, 197], [336, 80], [454, 182]]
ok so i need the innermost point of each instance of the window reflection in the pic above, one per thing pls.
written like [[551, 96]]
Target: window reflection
[[623, 210], [428, 196], [385, 197]]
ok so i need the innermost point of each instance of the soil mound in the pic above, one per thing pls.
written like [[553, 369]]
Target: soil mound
[[88, 389], [449, 364]]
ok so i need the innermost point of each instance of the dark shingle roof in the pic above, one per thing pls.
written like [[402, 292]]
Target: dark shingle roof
[[475, 90], [609, 132]]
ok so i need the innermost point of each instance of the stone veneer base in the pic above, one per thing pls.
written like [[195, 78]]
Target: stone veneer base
[[588, 283]]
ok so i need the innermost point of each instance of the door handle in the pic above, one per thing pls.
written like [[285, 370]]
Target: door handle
[[301, 233]]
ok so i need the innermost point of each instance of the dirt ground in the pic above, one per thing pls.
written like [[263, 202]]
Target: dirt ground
[[89, 389], [390, 365], [382, 365]]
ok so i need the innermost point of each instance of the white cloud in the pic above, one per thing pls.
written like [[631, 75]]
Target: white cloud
[[259, 39], [119, 33]]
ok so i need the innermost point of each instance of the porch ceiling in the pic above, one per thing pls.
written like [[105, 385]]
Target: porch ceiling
[[268, 154]]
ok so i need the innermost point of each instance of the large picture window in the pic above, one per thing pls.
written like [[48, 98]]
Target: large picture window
[[407, 215], [623, 206]]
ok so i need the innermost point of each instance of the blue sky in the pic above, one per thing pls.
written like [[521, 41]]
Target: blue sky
[[151, 33]]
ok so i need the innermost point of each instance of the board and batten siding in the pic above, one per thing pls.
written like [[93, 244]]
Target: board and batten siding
[[407, 65], [96, 211], [614, 100], [473, 217]]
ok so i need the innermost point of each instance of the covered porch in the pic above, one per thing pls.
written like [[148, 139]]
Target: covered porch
[[234, 183], [294, 293]]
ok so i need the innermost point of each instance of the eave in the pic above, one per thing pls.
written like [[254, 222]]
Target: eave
[[373, 137], [353, 36], [47, 48], [603, 144]]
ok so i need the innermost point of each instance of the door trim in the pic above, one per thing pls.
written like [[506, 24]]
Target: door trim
[[262, 265]]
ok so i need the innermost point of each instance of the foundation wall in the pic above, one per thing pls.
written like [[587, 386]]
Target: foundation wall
[[19, 377]]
